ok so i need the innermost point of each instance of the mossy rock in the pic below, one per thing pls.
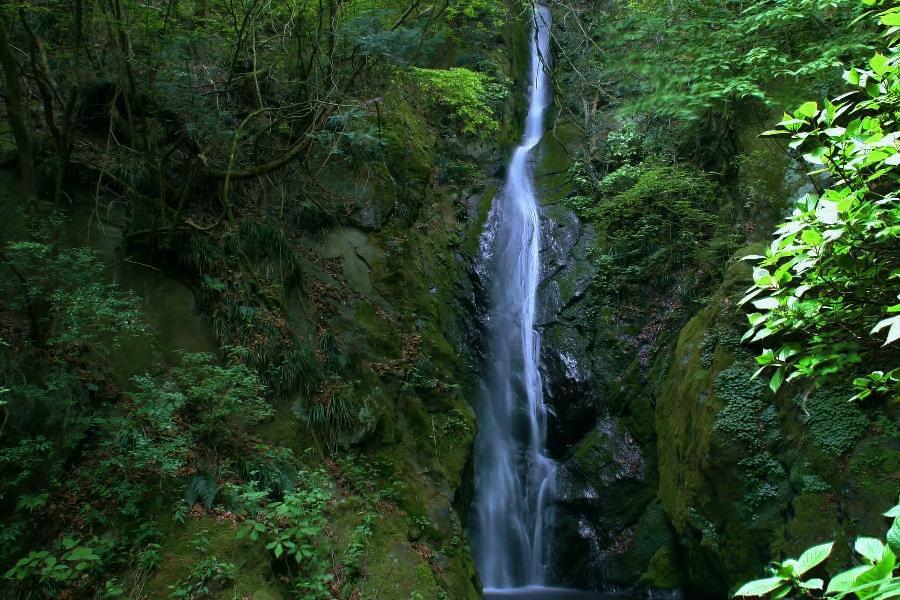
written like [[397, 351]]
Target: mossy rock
[[395, 566], [664, 571], [815, 520], [253, 575], [726, 445], [554, 154], [357, 254], [611, 468], [410, 141], [651, 534], [369, 188]]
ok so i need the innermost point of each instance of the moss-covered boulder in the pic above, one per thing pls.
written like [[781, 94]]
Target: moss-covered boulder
[[747, 476]]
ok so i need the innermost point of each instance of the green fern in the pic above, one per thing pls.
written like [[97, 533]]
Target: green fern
[[200, 488]]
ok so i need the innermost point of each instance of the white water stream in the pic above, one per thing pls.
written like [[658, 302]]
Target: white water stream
[[514, 478]]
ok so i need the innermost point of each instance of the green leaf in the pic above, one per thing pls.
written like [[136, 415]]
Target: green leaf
[[752, 293], [812, 584], [762, 277], [843, 581], [760, 587], [69, 543], [781, 592], [891, 590], [756, 318], [894, 329], [891, 19], [767, 357], [827, 212], [767, 303], [893, 536], [82, 553], [762, 334], [776, 381], [870, 548], [788, 569], [881, 571], [807, 109], [813, 557], [879, 64]]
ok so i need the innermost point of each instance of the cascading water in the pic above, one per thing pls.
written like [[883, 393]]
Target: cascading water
[[514, 479]]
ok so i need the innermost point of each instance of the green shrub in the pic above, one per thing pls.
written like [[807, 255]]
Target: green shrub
[[342, 414], [654, 228], [196, 407], [72, 562], [825, 292], [67, 297], [362, 533], [293, 531], [469, 94], [486, 13], [207, 577]]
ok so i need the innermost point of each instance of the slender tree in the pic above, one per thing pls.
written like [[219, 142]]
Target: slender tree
[[17, 113]]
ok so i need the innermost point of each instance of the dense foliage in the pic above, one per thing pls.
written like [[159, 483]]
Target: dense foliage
[[827, 285], [670, 98], [826, 290], [217, 144], [689, 60], [192, 98], [166, 435], [468, 93]]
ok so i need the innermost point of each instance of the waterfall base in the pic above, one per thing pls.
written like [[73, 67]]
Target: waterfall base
[[539, 592]]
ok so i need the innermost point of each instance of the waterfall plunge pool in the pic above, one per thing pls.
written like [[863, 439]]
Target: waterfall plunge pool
[[538, 592]]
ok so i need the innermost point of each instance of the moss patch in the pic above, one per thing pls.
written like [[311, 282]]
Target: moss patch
[[184, 546]]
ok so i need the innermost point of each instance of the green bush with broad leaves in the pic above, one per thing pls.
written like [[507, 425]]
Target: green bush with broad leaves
[[70, 304], [827, 288], [292, 530], [876, 578], [194, 417], [71, 562], [74, 433]]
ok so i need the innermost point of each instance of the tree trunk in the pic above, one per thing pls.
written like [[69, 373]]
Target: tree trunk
[[17, 111]]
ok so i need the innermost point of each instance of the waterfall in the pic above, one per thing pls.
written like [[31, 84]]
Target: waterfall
[[514, 478]]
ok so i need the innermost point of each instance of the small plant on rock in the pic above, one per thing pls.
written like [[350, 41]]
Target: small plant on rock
[[877, 578]]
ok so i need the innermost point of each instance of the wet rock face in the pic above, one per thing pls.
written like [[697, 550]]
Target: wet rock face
[[373, 192], [608, 526], [604, 481], [566, 358], [601, 494], [606, 458]]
